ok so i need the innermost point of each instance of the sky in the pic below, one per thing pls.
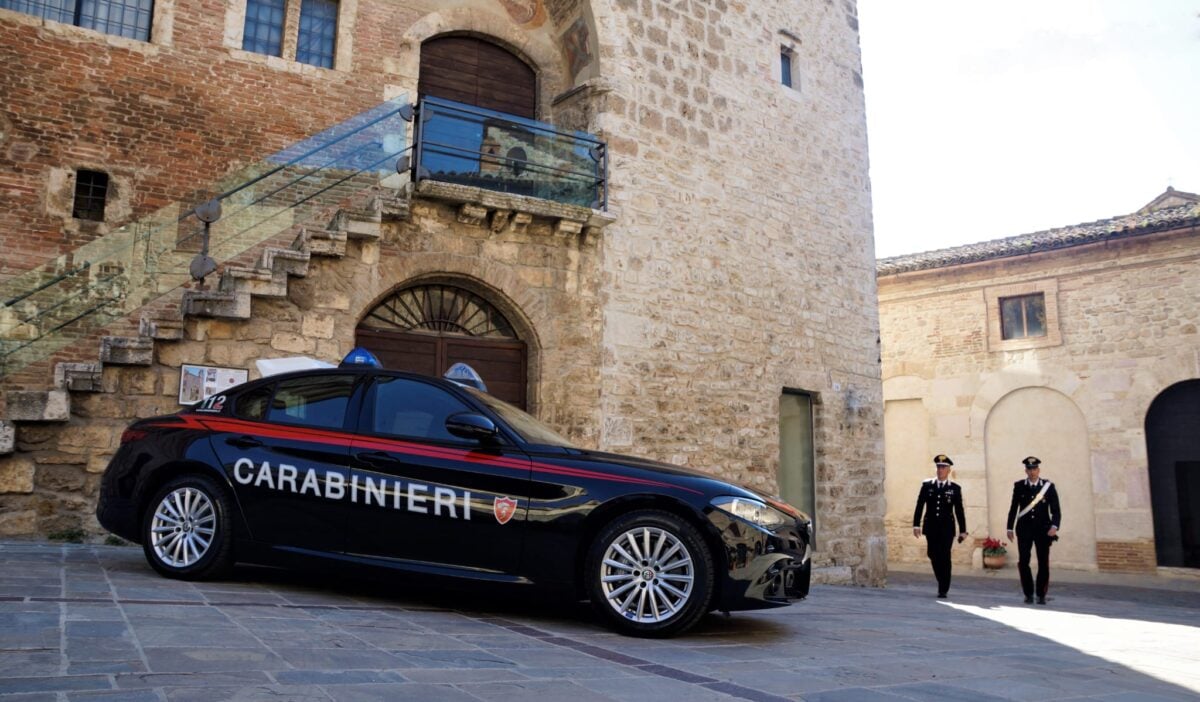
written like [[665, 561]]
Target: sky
[[993, 119]]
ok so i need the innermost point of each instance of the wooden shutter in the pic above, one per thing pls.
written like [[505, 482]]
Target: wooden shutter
[[476, 72]]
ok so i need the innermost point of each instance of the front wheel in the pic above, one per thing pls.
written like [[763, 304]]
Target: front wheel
[[186, 529], [649, 573]]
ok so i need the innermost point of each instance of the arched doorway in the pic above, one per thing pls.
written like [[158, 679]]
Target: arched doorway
[[428, 327], [1042, 422], [477, 72], [1173, 450]]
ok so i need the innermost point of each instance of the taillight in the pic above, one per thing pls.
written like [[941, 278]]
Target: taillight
[[132, 435]]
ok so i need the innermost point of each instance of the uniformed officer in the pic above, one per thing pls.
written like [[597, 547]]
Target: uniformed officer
[[1034, 515], [942, 501]]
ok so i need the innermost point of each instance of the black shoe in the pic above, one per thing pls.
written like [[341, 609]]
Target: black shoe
[[1028, 599], [941, 595], [1041, 600]]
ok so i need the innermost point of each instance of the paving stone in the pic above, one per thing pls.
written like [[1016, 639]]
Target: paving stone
[[260, 693], [337, 677], [401, 692], [115, 696], [54, 683], [184, 660], [333, 658]]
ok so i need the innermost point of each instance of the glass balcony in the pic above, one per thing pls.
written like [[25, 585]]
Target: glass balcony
[[459, 143]]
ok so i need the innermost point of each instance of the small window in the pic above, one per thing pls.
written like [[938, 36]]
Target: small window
[[1023, 317], [264, 27], [125, 18], [313, 402], [318, 32], [253, 404], [797, 456], [411, 408], [785, 67], [91, 190]]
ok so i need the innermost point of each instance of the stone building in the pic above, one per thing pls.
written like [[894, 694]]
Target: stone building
[[1077, 345], [646, 222]]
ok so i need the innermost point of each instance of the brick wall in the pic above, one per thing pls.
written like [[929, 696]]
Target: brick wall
[[1128, 556]]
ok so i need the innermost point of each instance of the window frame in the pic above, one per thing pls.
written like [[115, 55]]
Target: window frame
[[350, 413], [995, 330], [366, 414], [1023, 305], [91, 198], [813, 401], [287, 59], [77, 10]]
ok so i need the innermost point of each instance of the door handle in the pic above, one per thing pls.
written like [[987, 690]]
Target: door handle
[[244, 442], [376, 457]]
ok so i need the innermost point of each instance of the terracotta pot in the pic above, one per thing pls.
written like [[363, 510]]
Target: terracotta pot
[[994, 561]]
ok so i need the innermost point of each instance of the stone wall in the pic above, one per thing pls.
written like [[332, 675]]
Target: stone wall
[[740, 262], [1125, 329]]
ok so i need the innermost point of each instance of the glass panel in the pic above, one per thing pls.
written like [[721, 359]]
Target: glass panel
[[126, 18], [528, 427], [1035, 315], [100, 287], [785, 68], [318, 32], [264, 27], [797, 476], [411, 408], [57, 10], [1012, 325], [505, 153], [312, 402]]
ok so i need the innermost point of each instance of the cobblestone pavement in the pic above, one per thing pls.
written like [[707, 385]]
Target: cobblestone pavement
[[95, 623]]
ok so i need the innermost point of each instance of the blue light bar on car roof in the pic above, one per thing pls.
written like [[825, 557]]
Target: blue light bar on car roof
[[359, 356]]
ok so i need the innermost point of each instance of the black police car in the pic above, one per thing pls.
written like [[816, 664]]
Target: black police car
[[365, 466]]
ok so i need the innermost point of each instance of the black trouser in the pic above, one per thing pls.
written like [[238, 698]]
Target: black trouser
[[937, 546], [1027, 538]]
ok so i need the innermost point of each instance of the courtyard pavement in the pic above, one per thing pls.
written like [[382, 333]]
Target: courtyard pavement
[[83, 622]]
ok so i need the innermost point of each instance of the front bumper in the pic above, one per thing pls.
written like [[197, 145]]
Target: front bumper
[[762, 568]]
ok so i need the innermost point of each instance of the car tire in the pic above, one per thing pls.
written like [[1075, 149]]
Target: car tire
[[649, 573], [186, 529]]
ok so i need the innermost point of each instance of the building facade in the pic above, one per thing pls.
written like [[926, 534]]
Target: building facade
[[1077, 345], [648, 223]]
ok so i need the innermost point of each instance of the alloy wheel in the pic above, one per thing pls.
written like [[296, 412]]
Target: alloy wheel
[[647, 575], [183, 526]]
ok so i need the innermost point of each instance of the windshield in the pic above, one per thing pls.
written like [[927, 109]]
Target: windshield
[[531, 430]]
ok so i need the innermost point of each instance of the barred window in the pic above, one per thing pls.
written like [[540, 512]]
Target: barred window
[[318, 31], [126, 18], [264, 27], [91, 191]]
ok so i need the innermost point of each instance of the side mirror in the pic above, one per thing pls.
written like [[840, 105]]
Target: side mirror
[[468, 425]]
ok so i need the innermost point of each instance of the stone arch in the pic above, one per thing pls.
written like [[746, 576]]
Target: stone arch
[[1173, 461], [495, 283], [1045, 422], [537, 47]]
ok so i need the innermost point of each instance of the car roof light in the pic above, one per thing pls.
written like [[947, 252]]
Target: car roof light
[[463, 374], [359, 356]]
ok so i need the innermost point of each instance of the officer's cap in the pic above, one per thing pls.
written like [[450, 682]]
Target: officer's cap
[[1032, 462], [942, 460]]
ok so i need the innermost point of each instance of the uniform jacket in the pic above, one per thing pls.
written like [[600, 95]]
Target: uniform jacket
[[941, 505], [1044, 515]]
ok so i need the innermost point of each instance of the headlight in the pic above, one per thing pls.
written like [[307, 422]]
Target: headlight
[[752, 511]]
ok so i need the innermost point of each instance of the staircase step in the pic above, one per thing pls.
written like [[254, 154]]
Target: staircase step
[[79, 377], [38, 405], [254, 281], [323, 242], [357, 224], [216, 303], [8, 437], [127, 350], [162, 328], [289, 261]]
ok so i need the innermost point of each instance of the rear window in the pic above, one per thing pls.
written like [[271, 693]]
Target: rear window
[[314, 402]]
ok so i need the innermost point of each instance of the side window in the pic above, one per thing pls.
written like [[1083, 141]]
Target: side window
[[253, 404], [314, 402], [411, 408]]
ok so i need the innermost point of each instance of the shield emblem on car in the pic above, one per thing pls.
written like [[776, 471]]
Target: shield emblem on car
[[504, 508]]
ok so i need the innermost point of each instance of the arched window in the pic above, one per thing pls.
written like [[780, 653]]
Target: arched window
[[477, 72]]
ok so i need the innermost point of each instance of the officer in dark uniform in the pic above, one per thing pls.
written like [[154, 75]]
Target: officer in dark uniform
[[941, 500], [1034, 515]]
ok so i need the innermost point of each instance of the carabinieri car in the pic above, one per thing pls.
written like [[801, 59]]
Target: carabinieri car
[[365, 466]]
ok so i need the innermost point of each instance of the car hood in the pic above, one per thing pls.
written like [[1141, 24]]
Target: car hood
[[645, 464]]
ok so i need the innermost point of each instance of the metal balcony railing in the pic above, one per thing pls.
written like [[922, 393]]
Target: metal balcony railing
[[458, 143], [77, 295]]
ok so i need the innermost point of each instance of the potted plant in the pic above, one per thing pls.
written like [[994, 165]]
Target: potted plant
[[993, 553]]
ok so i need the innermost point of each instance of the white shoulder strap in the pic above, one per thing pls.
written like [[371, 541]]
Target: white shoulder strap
[[1034, 503]]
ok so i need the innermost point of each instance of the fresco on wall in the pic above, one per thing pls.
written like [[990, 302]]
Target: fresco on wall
[[525, 12], [577, 47]]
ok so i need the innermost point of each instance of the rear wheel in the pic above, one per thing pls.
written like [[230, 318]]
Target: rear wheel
[[185, 530], [650, 574]]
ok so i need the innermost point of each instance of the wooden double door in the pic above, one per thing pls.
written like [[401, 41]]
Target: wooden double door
[[500, 362]]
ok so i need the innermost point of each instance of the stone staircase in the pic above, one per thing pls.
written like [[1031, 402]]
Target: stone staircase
[[231, 299]]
